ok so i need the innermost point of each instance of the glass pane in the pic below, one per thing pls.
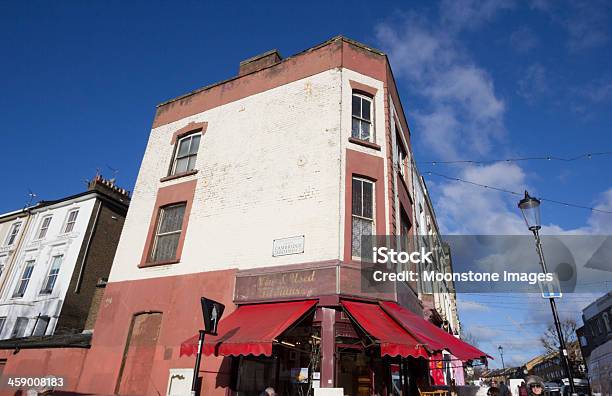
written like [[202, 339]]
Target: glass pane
[[181, 165], [367, 200], [365, 130], [192, 162], [172, 218], [183, 147], [365, 109], [73, 215], [356, 106], [166, 247], [355, 130], [195, 144], [356, 237], [356, 201]]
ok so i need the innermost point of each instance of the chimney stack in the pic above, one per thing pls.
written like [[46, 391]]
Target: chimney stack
[[259, 62], [108, 187]]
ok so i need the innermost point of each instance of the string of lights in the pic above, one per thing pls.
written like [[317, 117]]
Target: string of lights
[[584, 156], [456, 179]]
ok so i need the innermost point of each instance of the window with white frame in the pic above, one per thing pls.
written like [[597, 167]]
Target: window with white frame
[[12, 235], [42, 322], [168, 233], [22, 284], [362, 117], [44, 227], [362, 212], [186, 154], [56, 262], [20, 327], [71, 220], [401, 157], [3, 259]]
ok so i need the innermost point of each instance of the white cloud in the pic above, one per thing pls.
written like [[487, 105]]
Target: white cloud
[[462, 208], [533, 83], [471, 14], [461, 103], [468, 305], [585, 22], [601, 223]]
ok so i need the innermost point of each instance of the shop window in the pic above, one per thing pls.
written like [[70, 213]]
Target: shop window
[[362, 212], [71, 220], [20, 327], [186, 154], [44, 227], [22, 285], [56, 262], [12, 235], [362, 117], [167, 236]]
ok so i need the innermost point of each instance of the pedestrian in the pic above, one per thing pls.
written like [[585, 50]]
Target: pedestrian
[[535, 385], [269, 391], [522, 389], [504, 390], [493, 391]]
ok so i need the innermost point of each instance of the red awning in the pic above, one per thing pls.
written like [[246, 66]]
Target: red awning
[[250, 329], [434, 338], [394, 340]]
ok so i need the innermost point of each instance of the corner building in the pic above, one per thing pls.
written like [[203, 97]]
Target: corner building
[[254, 192]]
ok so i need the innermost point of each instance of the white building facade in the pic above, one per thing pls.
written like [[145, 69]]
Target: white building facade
[[41, 251]]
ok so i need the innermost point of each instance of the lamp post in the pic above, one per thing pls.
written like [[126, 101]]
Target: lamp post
[[530, 208], [501, 353]]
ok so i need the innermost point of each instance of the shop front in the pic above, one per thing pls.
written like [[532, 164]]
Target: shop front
[[364, 347]]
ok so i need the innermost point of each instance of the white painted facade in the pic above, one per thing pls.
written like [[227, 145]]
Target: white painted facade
[[270, 166], [56, 242]]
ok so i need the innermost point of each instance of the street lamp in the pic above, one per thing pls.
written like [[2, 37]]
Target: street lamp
[[530, 208], [501, 353]]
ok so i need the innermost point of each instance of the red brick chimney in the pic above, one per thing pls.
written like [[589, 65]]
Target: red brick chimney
[[109, 187], [259, 62]]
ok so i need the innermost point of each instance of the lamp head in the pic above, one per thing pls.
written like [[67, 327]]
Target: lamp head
[[530, 208]]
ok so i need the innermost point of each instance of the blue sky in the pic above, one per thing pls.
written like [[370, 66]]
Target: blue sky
[[80, 82]]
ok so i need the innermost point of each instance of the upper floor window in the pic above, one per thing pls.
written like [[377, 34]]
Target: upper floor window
[[362, 117], [3, 259], [71, 221], [12, 235], [44, 226], [42, 322], [362, 213], [56, 262], [401, 157], [20, 327], [168, 234], [186, 154], [22, 285]]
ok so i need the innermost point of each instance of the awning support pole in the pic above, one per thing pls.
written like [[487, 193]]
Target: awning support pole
[[196, 369]]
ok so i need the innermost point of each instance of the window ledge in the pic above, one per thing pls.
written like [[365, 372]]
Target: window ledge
[[158, 263], [364, 143], [179, 175]]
